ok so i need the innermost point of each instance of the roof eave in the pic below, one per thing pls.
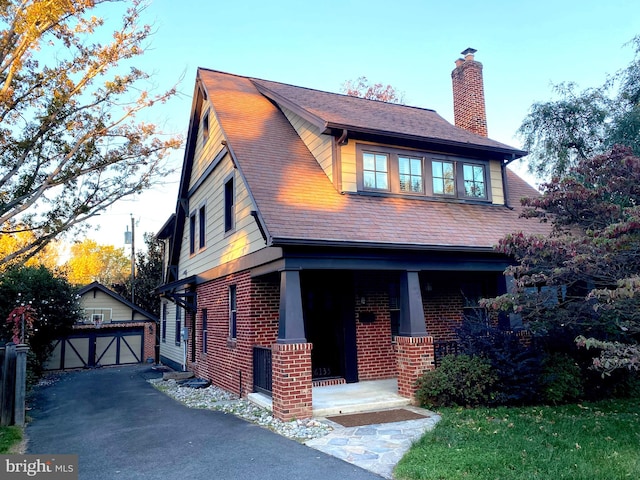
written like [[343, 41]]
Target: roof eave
[[510, 153], [305, 242]]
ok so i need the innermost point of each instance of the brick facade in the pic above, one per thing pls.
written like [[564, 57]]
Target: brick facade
[[228, 363], [415, 356], [376, 355], [292, 391]]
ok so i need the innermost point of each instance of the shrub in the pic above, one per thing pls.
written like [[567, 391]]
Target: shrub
[[561, 379], [460, 380], [515, 361]]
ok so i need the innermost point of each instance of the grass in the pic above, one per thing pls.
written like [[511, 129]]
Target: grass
[[590, 441], [10, 437]]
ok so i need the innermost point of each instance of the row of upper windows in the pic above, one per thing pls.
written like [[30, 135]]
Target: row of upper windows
[[396, 171], [199, 218]]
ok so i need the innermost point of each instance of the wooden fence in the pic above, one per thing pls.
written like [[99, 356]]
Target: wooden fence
[[13, 384]]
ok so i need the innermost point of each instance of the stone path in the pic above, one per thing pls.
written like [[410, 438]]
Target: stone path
[[377, 448]]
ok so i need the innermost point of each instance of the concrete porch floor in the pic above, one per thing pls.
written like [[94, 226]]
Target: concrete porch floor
[[357, 397]]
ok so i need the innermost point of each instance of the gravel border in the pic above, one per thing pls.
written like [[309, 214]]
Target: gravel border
[[214, 398]]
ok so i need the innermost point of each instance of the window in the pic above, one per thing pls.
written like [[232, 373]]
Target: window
[[407, 172], [204, 330], [443, 177], [178, 325], [375, 170], [229, 202], [164, 323], [202, 227], [232, 311], [410, 173], [192, 233], [205, 128], [474, 183]]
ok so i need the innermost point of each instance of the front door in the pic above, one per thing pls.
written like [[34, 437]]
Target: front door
[[329, 322]]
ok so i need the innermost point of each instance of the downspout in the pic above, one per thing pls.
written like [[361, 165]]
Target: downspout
[[505, 185]]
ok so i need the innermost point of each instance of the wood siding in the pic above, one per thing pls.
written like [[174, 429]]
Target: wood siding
[[95, 300], [318, 144], [168, 348]]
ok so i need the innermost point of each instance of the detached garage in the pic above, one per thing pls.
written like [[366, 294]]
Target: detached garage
[[114, 332]]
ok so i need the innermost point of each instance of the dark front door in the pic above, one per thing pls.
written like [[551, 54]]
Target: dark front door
[[329, 322]]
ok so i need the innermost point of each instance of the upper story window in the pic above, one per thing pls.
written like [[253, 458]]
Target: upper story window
[[375, 170], [229, 202], [192, 233], [205, 128], [382, 169], [410, 174], [202, 227]]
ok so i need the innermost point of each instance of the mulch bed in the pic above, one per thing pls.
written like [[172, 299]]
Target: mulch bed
[[373, 418]]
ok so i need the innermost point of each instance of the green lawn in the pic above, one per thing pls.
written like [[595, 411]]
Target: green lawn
[[9, 437], [590, 441]]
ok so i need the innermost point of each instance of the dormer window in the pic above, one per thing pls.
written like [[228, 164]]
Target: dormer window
[[375, 170], [395, 171]]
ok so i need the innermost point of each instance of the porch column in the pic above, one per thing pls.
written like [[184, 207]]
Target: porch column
[[415, 352], [292, 391], [291, 323], [412, 321]]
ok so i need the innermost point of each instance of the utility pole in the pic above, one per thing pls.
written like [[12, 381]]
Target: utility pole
[[133, 259]]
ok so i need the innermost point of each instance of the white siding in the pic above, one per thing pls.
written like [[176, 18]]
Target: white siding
[[318, 144]]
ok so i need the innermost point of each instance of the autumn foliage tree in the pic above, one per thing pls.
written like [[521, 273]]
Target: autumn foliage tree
[[363, 88], [92, 262], [69, 95], [584, 278]]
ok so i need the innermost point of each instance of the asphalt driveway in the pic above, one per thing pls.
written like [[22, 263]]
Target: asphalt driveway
[[122, 428]]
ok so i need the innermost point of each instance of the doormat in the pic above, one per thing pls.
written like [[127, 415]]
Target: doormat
[[373, 418]]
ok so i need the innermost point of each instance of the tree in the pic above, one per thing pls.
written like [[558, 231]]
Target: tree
[[580, 124], [50, 304], [584, 278], [71, 144], [91, 262], [361, 87], [9, 243]]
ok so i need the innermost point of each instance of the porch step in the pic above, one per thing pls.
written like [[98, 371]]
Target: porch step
[[358, 397], [261, 400]]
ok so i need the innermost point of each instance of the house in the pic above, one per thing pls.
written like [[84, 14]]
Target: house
[[320, 238], [114, 331]]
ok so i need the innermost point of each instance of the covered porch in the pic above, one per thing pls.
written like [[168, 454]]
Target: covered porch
[[366, 323]]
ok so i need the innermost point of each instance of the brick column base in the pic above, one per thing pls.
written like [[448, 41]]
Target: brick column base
[[291, 381], [414, 356]]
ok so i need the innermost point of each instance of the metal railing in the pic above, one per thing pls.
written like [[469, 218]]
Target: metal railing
[[262, 370]]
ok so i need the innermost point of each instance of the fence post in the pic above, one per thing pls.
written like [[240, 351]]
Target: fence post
[[3, 387], [9, 377], [21, 384]]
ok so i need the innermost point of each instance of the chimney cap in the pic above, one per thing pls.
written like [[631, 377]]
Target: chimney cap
[[469, 51]]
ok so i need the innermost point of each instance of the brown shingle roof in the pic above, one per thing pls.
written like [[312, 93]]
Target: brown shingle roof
[[300, 204]]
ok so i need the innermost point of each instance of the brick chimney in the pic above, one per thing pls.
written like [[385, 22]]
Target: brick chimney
[[468, 94]]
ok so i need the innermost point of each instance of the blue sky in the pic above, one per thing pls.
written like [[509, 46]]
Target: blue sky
[[525, 47]]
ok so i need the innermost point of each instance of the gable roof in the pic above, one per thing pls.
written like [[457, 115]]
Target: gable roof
[[98, 286], [297, 202]]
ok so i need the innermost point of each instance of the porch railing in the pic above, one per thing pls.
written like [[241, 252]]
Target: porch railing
[[262, 370], [442, 348]]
